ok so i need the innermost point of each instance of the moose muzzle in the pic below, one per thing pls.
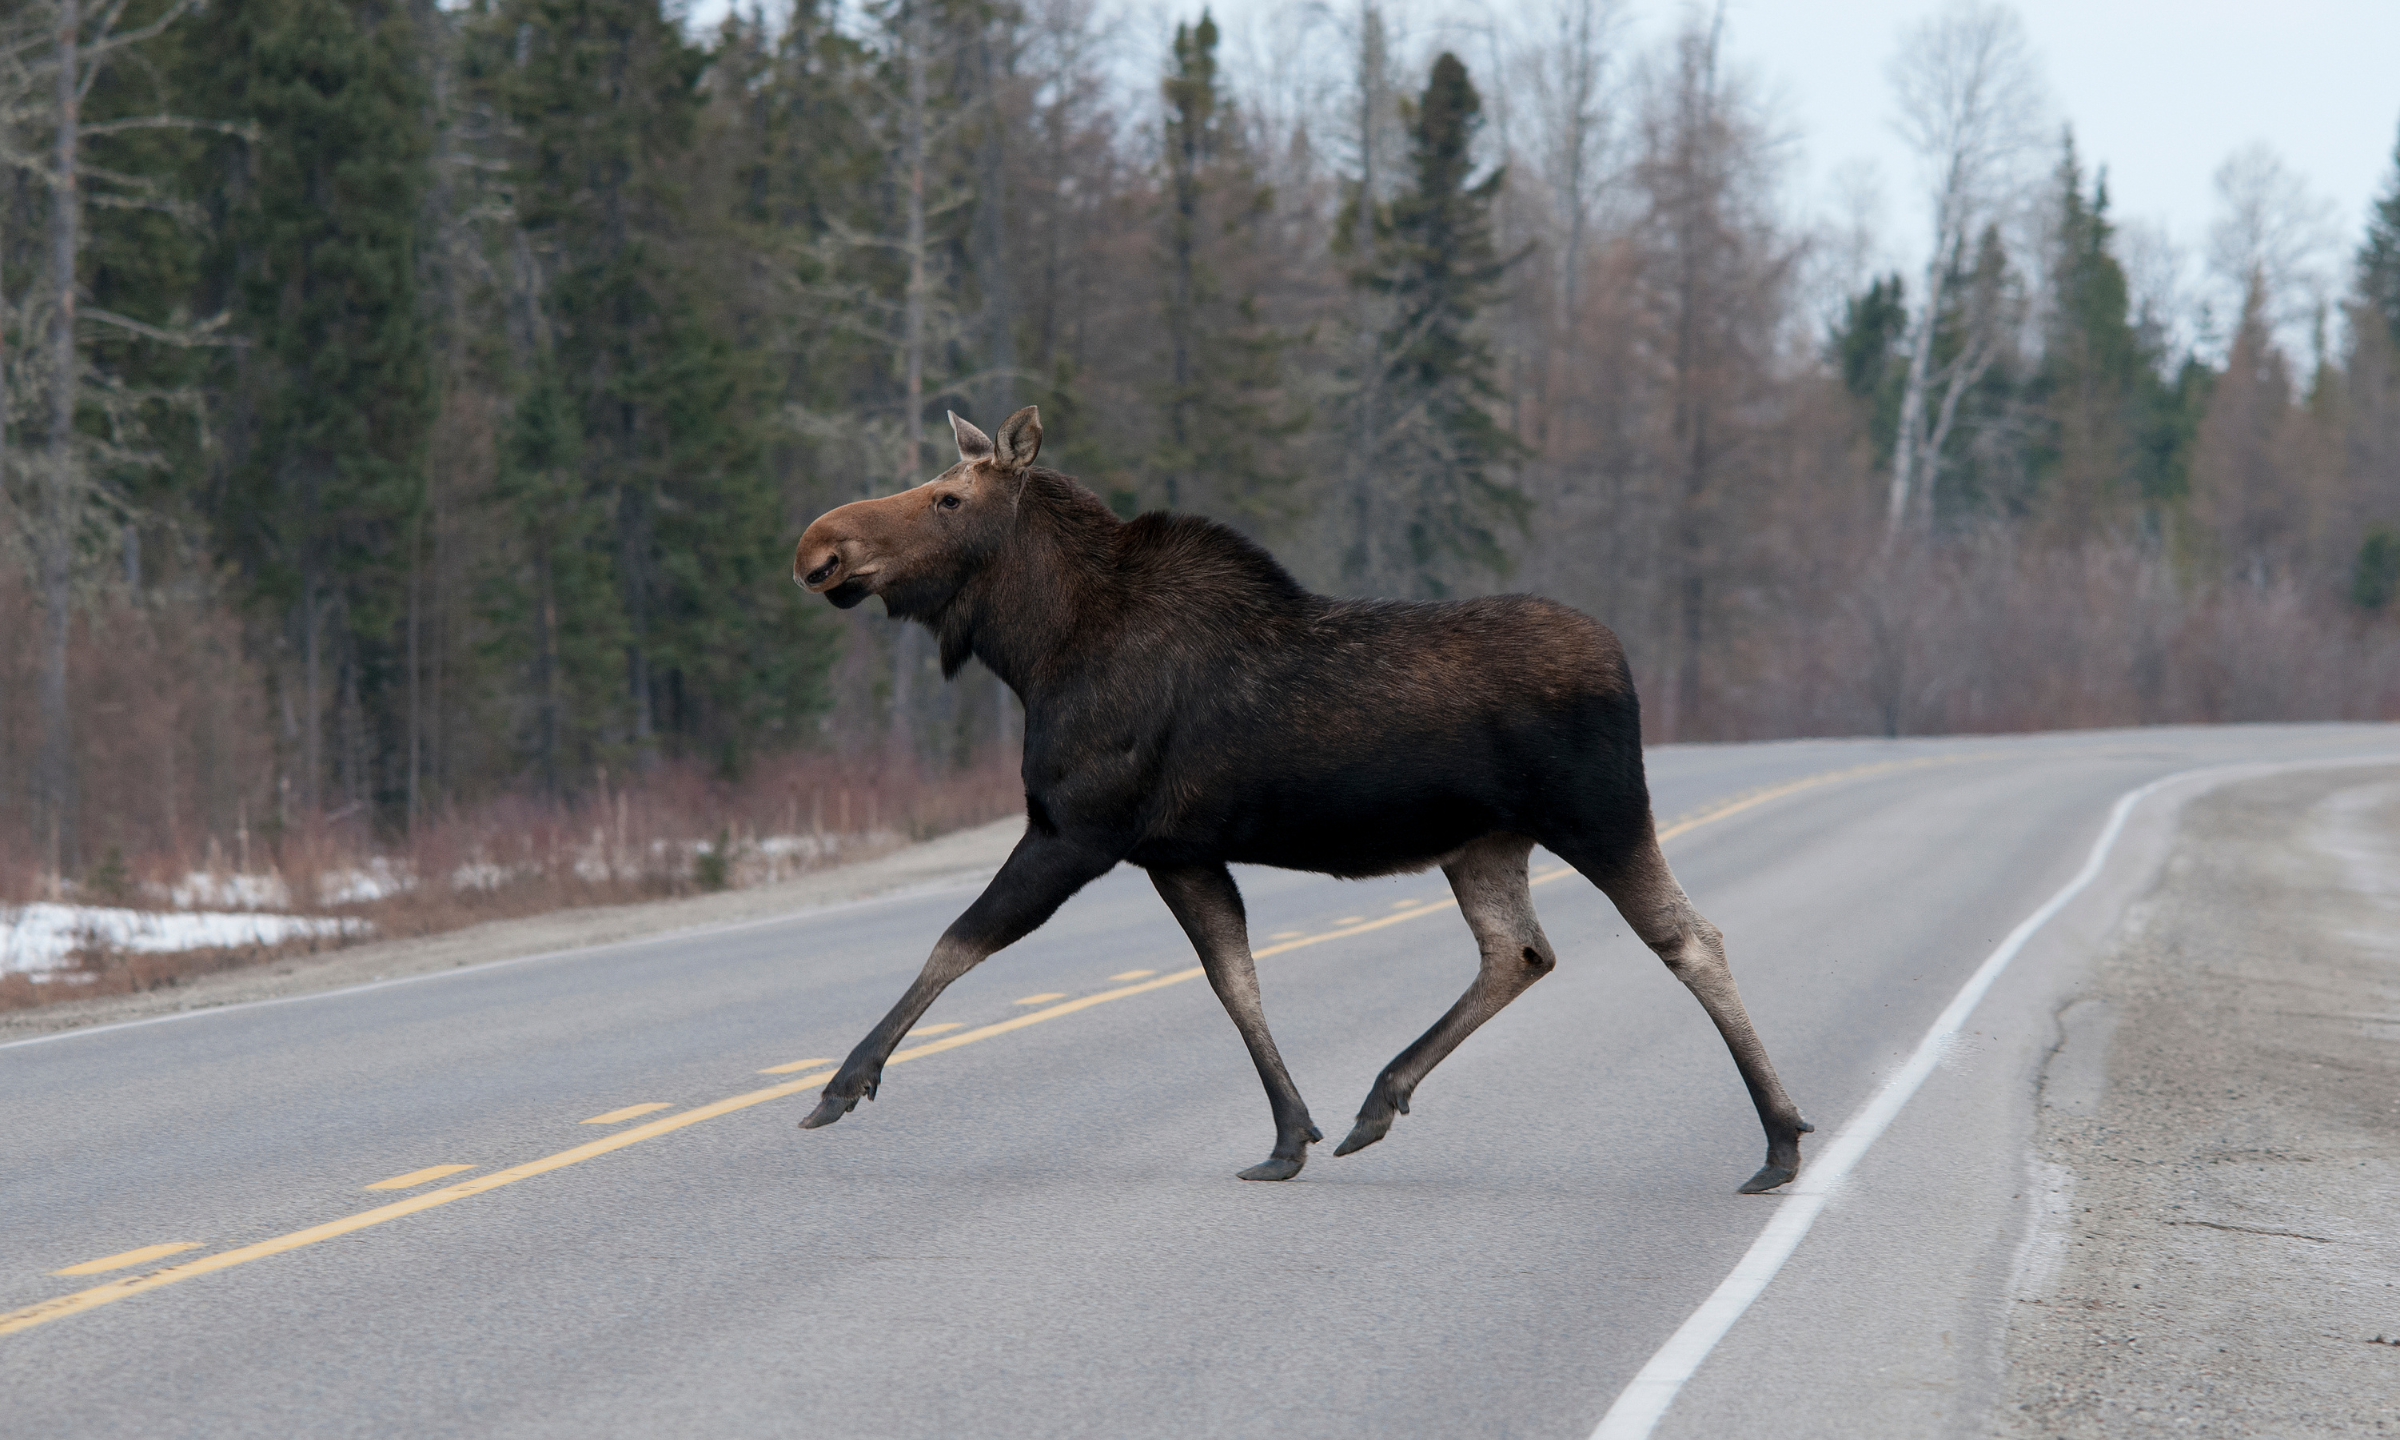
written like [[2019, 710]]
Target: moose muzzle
[[835, 557]]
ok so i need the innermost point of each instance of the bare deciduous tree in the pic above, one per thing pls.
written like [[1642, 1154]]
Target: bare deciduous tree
[[1568, 66], [2272, 231]]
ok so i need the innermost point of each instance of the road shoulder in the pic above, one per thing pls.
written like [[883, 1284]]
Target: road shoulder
[[2216, 1148], [955, 859]]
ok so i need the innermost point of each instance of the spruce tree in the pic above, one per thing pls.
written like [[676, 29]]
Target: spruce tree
[[321, 242], [2379, 256], [1863, 347], [1436, 453], [1223, 359], [2112, 437], [675, 501]]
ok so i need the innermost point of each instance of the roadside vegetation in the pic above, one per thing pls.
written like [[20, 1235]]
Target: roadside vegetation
[[406, 409]]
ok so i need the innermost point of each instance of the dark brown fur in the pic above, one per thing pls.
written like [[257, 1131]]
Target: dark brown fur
[[1189, 705]]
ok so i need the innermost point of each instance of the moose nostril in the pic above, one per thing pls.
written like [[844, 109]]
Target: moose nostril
[[817, 576]]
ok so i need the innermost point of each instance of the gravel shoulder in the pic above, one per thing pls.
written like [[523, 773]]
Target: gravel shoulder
[[958, 858], [2218, 1145]]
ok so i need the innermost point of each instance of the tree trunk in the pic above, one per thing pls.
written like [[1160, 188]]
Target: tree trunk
[[1909, 446], [413, 727], [907, 645], [312, 718], [58, 511], [1362, 564], [991, 239]]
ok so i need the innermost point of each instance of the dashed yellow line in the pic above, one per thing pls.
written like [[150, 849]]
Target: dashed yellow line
[[414, 1178], [107, 1263], [630, 1112], [60, 1306]]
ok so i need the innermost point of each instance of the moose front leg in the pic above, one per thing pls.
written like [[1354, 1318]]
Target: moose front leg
[[1041, 874], [1209, 907]]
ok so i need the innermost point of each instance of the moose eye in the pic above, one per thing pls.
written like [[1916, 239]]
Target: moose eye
[[949, 502]]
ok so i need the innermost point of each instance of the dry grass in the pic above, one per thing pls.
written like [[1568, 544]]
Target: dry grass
[[677, 831], [1986, 635]]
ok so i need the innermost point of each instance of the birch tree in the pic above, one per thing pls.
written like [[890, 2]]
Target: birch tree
[[1969, 93]]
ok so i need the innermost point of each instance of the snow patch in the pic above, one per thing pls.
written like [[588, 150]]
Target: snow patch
[[202, 889], [378, 879], [38, 938]]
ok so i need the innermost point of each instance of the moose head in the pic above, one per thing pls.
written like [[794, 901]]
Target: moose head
[[917, 548]]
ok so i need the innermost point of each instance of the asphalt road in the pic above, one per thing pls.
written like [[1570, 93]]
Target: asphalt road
[[1038, 1232]]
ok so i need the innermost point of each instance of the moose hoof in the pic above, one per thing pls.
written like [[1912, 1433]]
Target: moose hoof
[[1768, 1178], [1366, 1132], [829, 1109], [1274, 1168]]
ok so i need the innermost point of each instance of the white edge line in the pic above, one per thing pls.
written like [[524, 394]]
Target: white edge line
[[1644, 1401], [697, 932]]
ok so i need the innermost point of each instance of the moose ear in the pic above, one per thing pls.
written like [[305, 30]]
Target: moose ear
[[973, 444], [1021, 438]]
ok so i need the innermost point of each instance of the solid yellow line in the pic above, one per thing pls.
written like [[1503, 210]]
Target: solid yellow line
[[1042, 999], [107, 1263], [414, 1178], [82, 1300], [615, 1117]]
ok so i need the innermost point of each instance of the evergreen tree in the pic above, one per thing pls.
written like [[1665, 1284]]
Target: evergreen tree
[[1862, 342], [321, 246], [2112, 437], [1223, 360], [1435, 450], [2379, 256], [2243, 493], [675, 500]]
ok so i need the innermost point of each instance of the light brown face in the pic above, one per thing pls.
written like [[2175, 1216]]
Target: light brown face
[[917, 547]]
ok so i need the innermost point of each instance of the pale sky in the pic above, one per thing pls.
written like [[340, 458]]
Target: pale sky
[[2158, 91]]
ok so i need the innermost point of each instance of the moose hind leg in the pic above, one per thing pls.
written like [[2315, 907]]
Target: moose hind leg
[[1209, 907], [1494, 894], [1646, 893]]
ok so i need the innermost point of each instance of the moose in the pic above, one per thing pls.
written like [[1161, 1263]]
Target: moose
[[1189, 705]]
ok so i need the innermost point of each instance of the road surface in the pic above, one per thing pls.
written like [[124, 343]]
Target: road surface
[[1037, 1232]]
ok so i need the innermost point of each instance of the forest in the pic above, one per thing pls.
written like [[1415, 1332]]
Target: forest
[[407, 409]]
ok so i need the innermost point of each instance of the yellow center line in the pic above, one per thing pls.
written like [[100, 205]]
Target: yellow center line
[[1042, 999], [98, 1295]]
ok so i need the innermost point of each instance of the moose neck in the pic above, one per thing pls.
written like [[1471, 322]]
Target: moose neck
[[1036, 603]]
